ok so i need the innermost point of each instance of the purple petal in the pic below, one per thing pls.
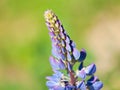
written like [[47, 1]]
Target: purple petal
[[57, 54], [81, 86], [62, 35], [91, 69], [81, 74], [69, 58], [69, 66], [54, 63], [76, 54], [58, 88], [55, 47], [68, 47], [53, 78], [62, 56], [80, 66], [52, 34], [51, 84], [58, 74], [96, 86], [67, 40], [82, 55], [53, 40], [62, 29], [69, 87], [73, 44], [61, 64], [92, 80], [63, 50]]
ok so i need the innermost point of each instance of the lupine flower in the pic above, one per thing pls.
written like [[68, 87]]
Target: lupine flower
[[56, 64], [64, 56]]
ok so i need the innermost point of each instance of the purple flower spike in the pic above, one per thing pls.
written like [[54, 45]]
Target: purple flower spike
[[64, 57], [91, 69]]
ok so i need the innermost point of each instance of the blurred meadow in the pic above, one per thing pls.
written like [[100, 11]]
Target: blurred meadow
[[25, 45]]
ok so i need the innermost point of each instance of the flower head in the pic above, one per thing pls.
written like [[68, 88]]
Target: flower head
[[64, 56]]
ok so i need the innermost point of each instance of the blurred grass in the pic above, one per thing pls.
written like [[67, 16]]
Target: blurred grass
[[25, 46]]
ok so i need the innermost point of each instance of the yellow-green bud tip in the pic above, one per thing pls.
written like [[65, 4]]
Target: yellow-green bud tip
[[48, 14]]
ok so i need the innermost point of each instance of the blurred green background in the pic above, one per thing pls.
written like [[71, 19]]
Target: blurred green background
[[25, 45]]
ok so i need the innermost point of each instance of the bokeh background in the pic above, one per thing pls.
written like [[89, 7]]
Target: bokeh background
[[25, 45]]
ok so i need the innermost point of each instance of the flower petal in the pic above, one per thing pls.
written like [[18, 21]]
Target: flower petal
[[76, 54], [61, 64], [81, 86], [92, 80], [69, 87], [59, 88], [73, 44], [80, 66], [54, 63], [68, 47], [69, 58], [96, 86], [81, 74], [82, 55], [91, 69], [69, 66], [67, 39], [51, 84]]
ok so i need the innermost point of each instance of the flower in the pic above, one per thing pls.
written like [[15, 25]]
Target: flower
[[64, 56], [55, 82], [81, 85], [56, 64], [91, 69], [94, 83]]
